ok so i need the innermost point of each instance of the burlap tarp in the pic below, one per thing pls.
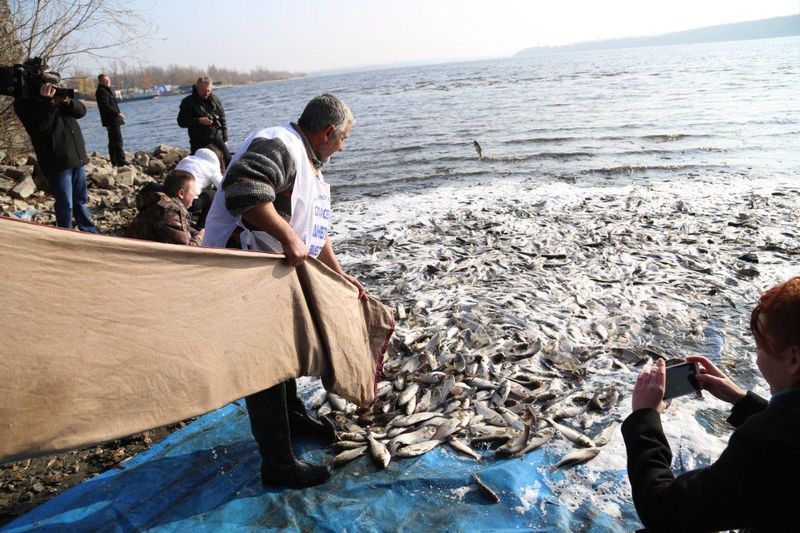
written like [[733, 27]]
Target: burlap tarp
[[102, 337]]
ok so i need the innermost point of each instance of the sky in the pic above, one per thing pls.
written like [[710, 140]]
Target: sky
[[316, 35]]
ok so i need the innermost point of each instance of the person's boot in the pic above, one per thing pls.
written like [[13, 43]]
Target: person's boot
[[301, 422], [270, 426]]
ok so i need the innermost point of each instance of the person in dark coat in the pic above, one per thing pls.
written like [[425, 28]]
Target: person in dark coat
[[203, 115], [111, 118], [754, 483], [52, 125]]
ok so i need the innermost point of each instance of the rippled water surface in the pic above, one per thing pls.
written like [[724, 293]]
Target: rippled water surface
[[727, 109]]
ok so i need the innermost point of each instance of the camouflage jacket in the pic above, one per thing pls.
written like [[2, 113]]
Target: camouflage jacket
[[163, 219]]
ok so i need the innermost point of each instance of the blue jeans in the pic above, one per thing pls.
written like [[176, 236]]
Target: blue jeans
[[69, 189]]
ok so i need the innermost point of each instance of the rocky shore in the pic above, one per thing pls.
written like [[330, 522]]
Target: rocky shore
[[24, 193]]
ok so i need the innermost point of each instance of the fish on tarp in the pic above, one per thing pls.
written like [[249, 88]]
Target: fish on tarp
[[348, 455], [576, 457], [380, 454]]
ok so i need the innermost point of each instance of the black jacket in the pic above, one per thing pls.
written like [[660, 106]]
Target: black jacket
[[193, 108], [54, 132], [107, 104], [754, 484]]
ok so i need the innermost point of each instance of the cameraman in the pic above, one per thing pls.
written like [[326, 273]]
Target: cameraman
[[754, 483], [51, 123], [202, 113]]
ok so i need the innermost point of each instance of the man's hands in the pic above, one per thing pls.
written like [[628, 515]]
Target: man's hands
[[121, 117], [294, 249], [362, 292], [648, 393], [205, 121], [716, 382]]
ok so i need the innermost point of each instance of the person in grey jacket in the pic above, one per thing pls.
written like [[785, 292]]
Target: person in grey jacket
[[754, 483]]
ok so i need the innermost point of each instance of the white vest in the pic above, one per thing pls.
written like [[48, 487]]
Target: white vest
[[311, 202]]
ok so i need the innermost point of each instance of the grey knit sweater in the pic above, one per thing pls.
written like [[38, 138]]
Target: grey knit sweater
[[264, 173]]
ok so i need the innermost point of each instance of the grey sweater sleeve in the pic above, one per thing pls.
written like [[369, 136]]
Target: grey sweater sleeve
[[264, 170]]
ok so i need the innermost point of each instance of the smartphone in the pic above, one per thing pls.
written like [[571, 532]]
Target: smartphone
[[681, 380]]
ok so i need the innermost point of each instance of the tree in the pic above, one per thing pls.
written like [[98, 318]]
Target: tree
[[62, 32]]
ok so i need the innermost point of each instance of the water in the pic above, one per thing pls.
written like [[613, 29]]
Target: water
[[678, 112]]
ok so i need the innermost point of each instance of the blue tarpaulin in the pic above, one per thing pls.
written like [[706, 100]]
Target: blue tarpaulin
[[205, 477]]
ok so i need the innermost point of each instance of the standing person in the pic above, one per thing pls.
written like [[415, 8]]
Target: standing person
[[202, 113], [111, 118], [51, 123], [274, 190], [754, 483]]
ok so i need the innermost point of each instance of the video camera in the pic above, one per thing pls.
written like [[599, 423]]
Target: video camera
[[26, 79]]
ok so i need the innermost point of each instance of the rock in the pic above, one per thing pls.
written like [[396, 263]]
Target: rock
[[126, 177], [24, 188], [104, 181], [18, 160], [171, 159], [141, 179], [162, 149], [6, 184], [2, 156], [170, 155], [38, 175], [142, 159], [16, 173], [19, 205], [156, 168]]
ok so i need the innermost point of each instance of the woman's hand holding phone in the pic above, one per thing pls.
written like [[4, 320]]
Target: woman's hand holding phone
[[715, 381], [648, 393]]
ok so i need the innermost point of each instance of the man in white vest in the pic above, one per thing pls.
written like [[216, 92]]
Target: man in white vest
[[275, 193]]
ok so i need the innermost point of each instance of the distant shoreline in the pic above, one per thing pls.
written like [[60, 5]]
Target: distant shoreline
[[771, 28]]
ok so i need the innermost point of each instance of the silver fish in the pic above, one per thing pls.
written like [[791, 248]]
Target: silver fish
[[348, 455], [380, 454], [464, 448], [571, 434], [576, 457]]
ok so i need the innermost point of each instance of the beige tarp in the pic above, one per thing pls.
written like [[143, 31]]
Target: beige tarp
[[103, 337]]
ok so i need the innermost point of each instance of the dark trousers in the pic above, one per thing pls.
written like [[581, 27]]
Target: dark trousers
[[115, 152], [69, 190]]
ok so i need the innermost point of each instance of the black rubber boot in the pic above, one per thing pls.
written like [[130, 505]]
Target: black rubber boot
[[301, 422], [270, 426]]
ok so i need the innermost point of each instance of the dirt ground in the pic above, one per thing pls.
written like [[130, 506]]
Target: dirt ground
[[30, 483]]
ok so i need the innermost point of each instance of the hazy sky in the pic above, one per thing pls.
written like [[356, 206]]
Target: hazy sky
[[314, 35]]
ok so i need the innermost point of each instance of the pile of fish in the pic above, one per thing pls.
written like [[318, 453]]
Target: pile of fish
[[520, 322]]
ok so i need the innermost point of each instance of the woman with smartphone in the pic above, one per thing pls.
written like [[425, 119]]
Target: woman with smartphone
[[755, 483]]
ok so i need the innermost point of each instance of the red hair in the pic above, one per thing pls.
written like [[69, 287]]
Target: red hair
[[781, 306]]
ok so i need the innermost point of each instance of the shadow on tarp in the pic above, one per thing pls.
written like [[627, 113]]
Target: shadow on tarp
[[205, 477]]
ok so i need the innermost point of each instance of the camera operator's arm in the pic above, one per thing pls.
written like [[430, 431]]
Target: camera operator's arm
[[74, 107], [37, 114]]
